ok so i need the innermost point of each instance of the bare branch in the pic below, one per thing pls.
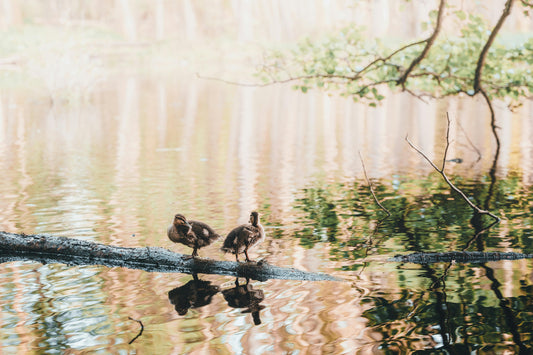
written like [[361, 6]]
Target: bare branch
[[429, 43], [371, 187], [445, 177], [488, 44], [422, 154]]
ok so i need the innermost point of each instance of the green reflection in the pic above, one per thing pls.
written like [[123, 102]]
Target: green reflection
[[425, 216], [448, 307]]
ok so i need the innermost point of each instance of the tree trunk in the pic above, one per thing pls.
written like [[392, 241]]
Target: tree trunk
[[50, 249]]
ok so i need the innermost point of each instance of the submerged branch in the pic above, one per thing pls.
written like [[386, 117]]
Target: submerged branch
[[51, 249], [459, 257], [445, 177]]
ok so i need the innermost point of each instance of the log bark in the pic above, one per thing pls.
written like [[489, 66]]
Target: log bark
[[459, 257], [52, 249]]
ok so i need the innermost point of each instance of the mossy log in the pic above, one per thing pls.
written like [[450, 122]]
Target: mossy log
[[459, 257], [52, 249]]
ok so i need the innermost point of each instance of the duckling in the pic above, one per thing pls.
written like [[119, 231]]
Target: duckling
[[241, 238], [193, 234]]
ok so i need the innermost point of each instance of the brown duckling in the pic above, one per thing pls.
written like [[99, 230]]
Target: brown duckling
[[241, 238], [193, 234]]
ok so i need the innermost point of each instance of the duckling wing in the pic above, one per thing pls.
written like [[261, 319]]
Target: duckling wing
[[255, 235], [205, 235], [236, 239]]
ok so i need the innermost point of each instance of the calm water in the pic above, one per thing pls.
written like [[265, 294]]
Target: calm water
[[116, 167]]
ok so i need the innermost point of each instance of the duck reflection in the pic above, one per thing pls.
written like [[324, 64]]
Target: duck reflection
[[244, 296], [194, 294]]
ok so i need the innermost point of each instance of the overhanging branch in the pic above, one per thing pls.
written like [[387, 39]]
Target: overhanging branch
[[429, 43], [483, 55]]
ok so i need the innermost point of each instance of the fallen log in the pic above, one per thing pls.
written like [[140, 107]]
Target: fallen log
[[459, 257], [52, 249]]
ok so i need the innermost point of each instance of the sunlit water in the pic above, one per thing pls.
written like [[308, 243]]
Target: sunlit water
[[114, 169]]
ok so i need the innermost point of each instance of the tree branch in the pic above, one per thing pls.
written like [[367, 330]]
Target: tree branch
[[488, 44], [445, 177], [429, 43]]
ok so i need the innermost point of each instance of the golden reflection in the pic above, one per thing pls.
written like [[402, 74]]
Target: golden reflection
[[244, 296], [194, 294]]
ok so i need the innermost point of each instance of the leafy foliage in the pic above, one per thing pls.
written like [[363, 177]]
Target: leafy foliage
[[351, 64]]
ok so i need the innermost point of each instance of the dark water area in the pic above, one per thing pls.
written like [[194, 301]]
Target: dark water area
[[116, 168]]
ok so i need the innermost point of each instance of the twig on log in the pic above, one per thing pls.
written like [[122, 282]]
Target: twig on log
[[142, 329], [445, 177]]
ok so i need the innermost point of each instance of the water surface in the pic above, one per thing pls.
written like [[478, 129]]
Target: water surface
[[116, 167]]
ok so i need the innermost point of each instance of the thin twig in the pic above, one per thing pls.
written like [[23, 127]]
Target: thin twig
[[142, 328], [479, 155], [445, 177], [371, 187]]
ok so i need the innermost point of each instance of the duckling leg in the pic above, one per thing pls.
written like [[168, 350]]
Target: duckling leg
[[195, 252], [246, 253], [237, 255]]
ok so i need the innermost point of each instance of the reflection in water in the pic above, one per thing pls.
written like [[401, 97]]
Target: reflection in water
[[145, 145], [244, 296], [452, 317], [194, 294]]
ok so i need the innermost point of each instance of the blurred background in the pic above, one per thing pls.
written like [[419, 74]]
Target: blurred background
[[115, 115]]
